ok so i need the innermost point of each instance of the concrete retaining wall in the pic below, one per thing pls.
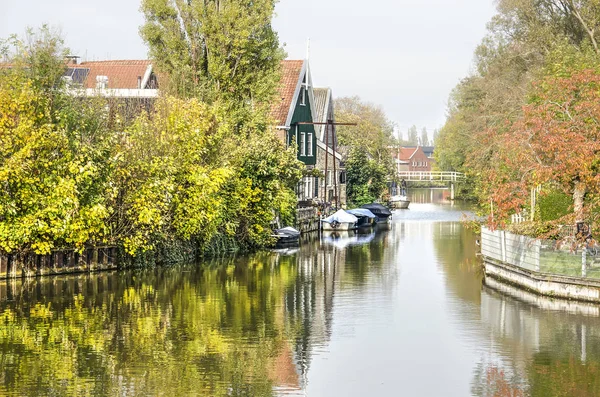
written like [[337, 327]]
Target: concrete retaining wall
[[544, 284]]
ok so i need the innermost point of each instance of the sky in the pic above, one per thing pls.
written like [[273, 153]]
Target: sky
[[405, 55]]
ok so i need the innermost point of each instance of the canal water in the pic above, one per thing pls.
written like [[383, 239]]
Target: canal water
[[401, 311]]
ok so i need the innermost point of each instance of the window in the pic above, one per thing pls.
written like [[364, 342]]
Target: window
[[310, 145], [342, 177], [302, 144], [316, 186], [308, 188], [328, 178], [303, 89]]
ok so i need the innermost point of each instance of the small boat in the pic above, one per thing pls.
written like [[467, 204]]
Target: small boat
[[382, 212], [341, 220], [365, 217], [286, 236], [400, 202]]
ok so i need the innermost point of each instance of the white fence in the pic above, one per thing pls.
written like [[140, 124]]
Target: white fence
[[511, 248], [418, 176]]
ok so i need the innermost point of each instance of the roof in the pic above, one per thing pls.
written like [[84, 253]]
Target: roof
[[291, 71], [324, 110], [121, 74], [321, 102], [406, 153]]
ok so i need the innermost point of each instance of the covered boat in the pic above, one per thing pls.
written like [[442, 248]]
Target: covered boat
[[365, 217], [382, 212], [287, 236], [341, 220]]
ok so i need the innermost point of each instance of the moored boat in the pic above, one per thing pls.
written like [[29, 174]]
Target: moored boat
[[400, 202], [341, 220], [382, 213], [287, 236], [365, 217]]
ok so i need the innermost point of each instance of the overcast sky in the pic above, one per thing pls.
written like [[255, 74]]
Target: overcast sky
[[405, 55]]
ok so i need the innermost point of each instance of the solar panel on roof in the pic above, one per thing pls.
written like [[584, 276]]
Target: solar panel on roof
[[79, 75]]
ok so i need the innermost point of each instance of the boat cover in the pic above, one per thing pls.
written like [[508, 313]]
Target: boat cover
[[362, 212], [378, 209], [288, 231], [341, 217]]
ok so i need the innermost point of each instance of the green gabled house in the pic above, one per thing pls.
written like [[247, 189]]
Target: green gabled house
[[295, 105]]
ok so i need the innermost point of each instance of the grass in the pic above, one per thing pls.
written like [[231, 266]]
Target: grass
[[568, 264]]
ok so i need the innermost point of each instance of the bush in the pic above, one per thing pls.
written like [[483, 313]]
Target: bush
[[553, 205]]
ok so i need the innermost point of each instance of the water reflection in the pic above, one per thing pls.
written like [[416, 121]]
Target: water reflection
[[380, 312]]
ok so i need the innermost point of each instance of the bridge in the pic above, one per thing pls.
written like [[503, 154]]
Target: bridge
[[431, 176]]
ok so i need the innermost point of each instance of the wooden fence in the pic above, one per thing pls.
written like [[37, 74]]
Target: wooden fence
[[58, 262]]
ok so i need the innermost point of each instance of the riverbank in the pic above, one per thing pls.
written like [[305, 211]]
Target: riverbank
[[539, 266]]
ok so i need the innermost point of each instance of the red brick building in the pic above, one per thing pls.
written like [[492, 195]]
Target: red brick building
[[411, 159]]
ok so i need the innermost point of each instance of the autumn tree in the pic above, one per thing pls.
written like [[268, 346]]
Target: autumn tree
[[556, 141]]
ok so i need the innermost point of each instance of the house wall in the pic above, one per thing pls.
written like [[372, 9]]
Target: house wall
[[303, 113], [327, 193], [419, 162]]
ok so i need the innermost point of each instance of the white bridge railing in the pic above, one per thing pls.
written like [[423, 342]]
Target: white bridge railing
[[416, 176]]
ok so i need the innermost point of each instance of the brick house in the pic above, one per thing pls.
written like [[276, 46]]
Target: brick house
[[411, 159]]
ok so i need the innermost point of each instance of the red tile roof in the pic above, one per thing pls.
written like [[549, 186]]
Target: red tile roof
[[406, 153], [121, 74], [290, 75]]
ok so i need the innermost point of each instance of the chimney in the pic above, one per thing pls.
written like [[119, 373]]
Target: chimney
[[139, 82], [71, 59]]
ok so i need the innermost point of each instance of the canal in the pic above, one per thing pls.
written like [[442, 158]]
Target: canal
[[399, 311]]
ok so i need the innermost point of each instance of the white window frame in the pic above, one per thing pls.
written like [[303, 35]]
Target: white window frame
[[309, 143], [303, 89], [303, 144]]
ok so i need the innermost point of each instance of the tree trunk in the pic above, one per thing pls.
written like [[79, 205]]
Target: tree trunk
[[578, 195]]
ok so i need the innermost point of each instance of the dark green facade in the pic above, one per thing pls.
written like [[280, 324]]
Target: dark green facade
[[302, 113]]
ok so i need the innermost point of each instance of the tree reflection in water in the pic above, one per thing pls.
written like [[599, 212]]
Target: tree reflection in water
[[237, 326]]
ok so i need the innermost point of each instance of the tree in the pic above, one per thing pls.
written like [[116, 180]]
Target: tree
[[436, 133], [366, 178], [215, 50], [374, 131], [413, 136], [555, 141], [55, 153], [424, 141]]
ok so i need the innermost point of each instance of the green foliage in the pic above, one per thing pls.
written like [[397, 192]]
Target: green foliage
[[554, 204], [215, 50], [183, 173], [366, 179], [188, 173], [54, 155]]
